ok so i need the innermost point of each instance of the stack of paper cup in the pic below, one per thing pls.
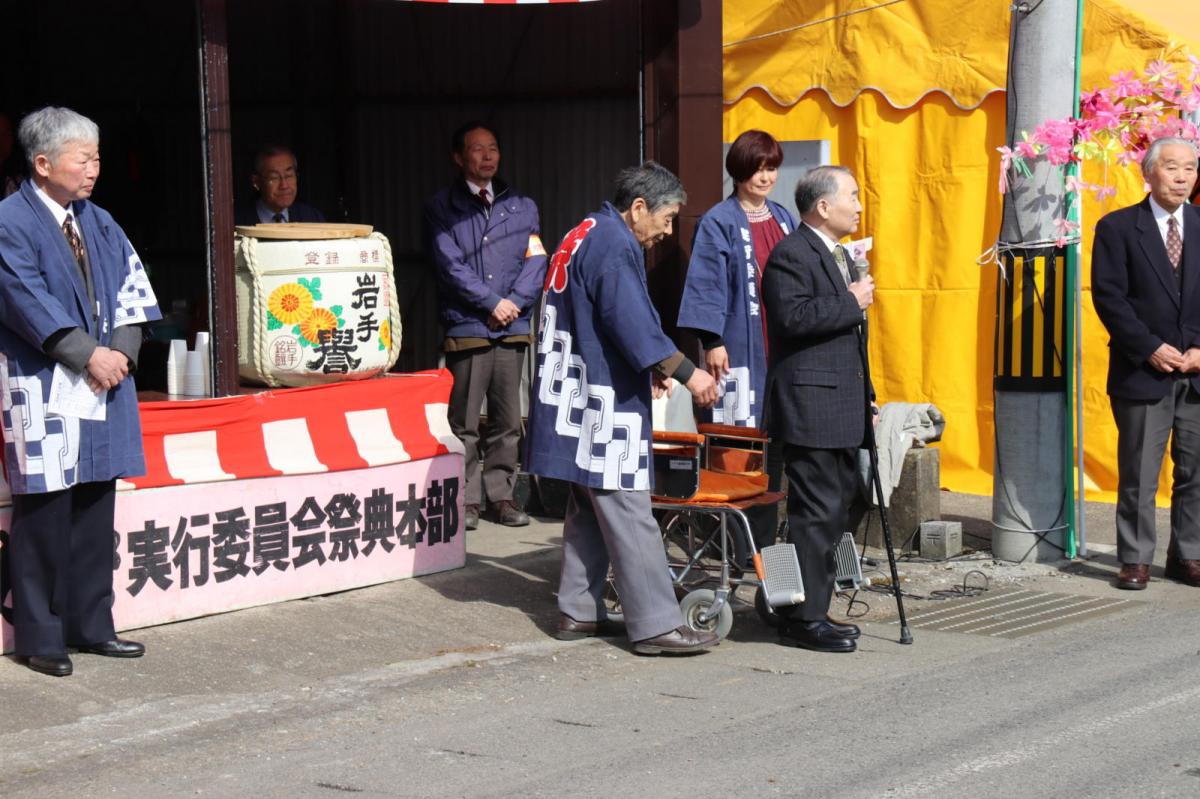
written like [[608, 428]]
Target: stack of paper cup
[[204, 352], [176, 365], [193, 376]]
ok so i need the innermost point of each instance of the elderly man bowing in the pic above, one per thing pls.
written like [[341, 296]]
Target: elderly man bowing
[[601, 355], [72, 294]]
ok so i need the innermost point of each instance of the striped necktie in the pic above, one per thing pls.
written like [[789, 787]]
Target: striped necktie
[[1174, 242]]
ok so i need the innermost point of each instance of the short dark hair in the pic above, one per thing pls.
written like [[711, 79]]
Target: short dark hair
[[269, 150], [750, 152], [459, 139], [816, 184], [651, 181]]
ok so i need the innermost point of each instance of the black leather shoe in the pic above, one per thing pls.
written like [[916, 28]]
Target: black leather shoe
[[470, 517], [819, 636], [680, 641], [54, 665], [116, 648], [845, 630], [508, 514], [572, 630]]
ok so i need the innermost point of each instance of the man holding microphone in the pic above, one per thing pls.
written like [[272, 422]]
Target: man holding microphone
[[817, 389]]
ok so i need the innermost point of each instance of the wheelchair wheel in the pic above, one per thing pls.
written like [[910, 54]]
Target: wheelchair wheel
[[696, 604], [765, 611], [612, 602]]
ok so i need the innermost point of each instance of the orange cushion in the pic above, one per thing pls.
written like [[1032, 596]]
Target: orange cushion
[[720, 487]]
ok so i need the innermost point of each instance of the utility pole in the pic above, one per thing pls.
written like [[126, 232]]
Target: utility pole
[[1031, 501]]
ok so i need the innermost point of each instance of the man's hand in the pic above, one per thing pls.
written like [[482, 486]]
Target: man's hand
[[106, 369], [716, 361], [703, 388], [874, 414], [1191, 361], [660, 386], [1166, 359], [864, 291], [504, 314]]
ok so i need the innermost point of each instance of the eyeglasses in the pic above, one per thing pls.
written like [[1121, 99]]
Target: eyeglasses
[[275, 178]]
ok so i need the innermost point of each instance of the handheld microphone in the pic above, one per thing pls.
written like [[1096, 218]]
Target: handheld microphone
[[861, 266]]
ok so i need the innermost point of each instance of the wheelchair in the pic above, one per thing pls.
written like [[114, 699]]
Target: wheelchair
[[706, 479]]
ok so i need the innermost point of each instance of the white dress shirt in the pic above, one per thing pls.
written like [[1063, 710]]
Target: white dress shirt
[[1160, 218], [832, 245], [58, 211]]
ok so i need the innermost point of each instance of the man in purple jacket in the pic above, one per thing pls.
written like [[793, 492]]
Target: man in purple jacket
[[490, 263]]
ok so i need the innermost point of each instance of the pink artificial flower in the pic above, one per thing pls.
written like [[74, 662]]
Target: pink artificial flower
[[1104, 192], [1189, 103], [1064, 228], [1027, 149], [1057, 136], [1126, 84], [1006, 159], [1159, 71]]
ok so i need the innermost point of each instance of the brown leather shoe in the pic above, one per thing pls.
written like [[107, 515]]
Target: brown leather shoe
[[680, 641], [1185, 571], [1133, 576], [572, 630], [508, 514]]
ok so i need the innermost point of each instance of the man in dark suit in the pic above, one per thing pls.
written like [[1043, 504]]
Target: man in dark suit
[[1146, 288], [817, 390], [276, 182]]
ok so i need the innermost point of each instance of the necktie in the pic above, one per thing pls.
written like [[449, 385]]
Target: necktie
[[839, 255], [483, 198], [73, 240], [1174, 242], [278, 218]]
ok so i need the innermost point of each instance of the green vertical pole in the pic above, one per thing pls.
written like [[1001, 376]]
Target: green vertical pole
[[1072, 465]]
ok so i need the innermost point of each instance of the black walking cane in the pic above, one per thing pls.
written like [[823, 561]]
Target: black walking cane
[[873, 451]]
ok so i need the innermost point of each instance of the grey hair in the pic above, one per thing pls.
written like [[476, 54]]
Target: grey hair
[[1155, 150], [48, 130], [816, 184], [270, 151], [651, 181]]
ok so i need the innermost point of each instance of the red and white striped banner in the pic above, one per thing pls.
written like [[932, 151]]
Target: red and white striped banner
[[327, 428]]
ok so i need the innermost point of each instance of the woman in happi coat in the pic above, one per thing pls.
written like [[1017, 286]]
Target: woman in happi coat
[[721, 301]]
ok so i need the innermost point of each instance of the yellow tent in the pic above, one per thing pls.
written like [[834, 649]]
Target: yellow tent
[[911, 96]]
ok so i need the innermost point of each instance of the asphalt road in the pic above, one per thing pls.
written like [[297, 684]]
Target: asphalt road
[[451, 686]]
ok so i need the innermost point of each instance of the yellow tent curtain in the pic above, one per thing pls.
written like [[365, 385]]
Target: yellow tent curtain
[[910, 95]]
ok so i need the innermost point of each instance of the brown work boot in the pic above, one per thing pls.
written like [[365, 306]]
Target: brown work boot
[[680, 641], [1133, 576], [1185, 571], [508, 514]]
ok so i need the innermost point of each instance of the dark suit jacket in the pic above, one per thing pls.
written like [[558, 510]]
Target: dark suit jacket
[[816, 389], [1138, 300], [297, 212]]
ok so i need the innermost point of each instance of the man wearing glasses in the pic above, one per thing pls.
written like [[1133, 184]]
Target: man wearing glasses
[[276, 181]]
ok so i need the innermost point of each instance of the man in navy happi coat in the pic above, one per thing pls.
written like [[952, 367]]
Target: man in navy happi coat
[[72, 296], [600, 345]]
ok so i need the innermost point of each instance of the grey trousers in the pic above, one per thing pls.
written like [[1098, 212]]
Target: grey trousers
[[1142, 432], [618, 526], [493, 372]]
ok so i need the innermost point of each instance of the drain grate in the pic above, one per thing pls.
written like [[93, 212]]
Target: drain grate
[[1014, 613]]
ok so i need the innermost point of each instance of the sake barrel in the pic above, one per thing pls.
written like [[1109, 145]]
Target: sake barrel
[[316, 304]]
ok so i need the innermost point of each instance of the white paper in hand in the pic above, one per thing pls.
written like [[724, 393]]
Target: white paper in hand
[[70, 395]]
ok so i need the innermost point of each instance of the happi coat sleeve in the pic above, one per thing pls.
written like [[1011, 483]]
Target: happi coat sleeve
[[42, 293]]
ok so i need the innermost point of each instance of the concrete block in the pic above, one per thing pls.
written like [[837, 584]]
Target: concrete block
[[917, 498], [941, 540]]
